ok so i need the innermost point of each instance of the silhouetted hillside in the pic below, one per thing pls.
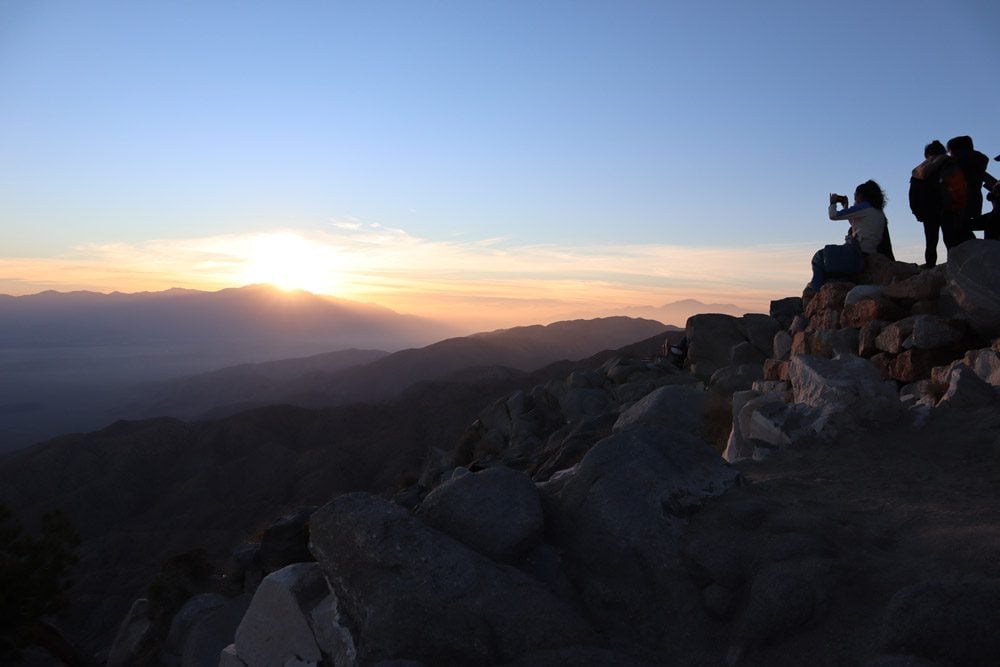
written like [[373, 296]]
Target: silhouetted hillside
[[66, 359], [140, 491], [313, 383]]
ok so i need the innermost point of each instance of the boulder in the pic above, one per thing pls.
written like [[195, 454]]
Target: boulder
[[738, 446], [711, 338], [868, 337], [495, 511], [772, 386], [189, 613], [925, 307], [620, 516], [785, 310], [967, 390], [829, 342], [728, 379], [830, 296], [894, 336], [880, 270], [882, 362], [798, 324], [286, 541], [932, 333], [746, 353], [775, 370], [578, 403], [568, 445], [860, 293], [131, 633], [985, 363], [879, 308], [924, 286], [777, 424], [847, 387], [783, 598], [759, 330], [410, 592], [294, 616], [802, 343], [954, 622], [827, 319], [912, 365], [781, 346], [920, 392], [230, 658], [213, 632], [673, 406], [973, 278]]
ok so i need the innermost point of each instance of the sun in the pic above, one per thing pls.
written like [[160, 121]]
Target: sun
[[290, 262]]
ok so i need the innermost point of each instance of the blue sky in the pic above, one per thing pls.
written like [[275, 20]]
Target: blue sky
[[528, 129]]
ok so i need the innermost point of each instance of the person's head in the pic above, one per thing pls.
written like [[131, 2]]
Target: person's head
[[961, 144], [870, 192], [934, 148]]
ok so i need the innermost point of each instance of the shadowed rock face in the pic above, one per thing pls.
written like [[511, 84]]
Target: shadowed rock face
[[974, 283], [410, 592], [619, 517], [496, 511]]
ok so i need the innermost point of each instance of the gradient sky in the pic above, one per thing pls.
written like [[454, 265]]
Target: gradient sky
[[503, 162]]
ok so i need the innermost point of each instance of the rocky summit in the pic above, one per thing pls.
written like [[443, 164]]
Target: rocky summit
[[818, 485]]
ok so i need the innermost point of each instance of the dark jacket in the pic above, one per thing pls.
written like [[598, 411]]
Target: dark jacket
[[973, 165]]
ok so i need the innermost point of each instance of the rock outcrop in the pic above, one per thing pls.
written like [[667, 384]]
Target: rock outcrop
[[636, 513]]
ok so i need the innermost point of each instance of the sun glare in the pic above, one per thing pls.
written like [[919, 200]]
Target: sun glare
[[290, 262]]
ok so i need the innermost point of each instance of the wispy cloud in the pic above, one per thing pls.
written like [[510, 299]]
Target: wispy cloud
[[486, 281]]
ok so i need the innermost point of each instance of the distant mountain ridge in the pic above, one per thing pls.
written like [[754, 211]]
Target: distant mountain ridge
[[67, 359], [317, 382], [677, 312], [251, 319]]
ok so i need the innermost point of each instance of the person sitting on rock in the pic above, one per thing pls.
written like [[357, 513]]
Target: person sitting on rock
[[867, 232]]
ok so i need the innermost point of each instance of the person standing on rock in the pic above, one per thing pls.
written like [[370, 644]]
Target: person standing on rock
[[867, 233], [973, 165], [925, 197]]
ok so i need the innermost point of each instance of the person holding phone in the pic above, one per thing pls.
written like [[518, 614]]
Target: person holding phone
[[866, 233]]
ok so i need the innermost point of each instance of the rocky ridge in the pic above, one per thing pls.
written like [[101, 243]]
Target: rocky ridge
[[817, 487]]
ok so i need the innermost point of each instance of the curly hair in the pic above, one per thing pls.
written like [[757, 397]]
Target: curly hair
[[871, 192]]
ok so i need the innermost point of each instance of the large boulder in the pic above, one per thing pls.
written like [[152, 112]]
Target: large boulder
[[212, 633], [131, 634], [847, 390], [410, 592], [294, 616], [974, 283], [190, 613], [926, 285], [967, 390], [729, 379], [954, 622], [785, 310], [932, 333], [759, 330], [619, 517], [495, 511], [985, 363], [674, 406], [286, 541], [711, 338]]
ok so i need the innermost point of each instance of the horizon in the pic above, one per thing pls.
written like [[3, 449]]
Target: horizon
[[647, 312], [491, 163]]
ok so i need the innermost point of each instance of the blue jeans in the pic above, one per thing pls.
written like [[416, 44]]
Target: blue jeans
[[836, 260]]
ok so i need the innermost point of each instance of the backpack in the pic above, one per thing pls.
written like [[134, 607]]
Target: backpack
[[925, 198], [953, 188]]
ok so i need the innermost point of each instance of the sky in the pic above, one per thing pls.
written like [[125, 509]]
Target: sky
[[489, 163]]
